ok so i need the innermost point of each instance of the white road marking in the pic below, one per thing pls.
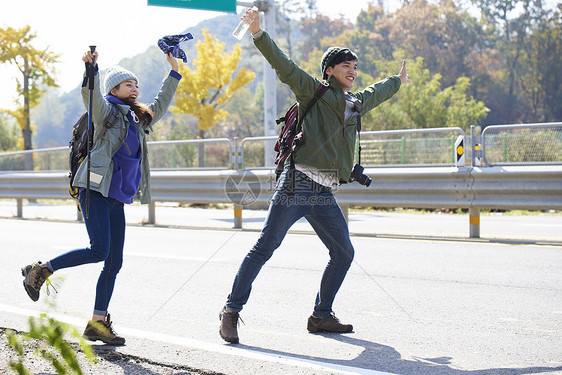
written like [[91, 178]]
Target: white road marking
[[171, 257], [202, 345]]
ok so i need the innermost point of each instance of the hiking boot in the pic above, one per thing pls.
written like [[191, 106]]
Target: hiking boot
[[34, 277], [327, 324], [103, 331], [229, 325]]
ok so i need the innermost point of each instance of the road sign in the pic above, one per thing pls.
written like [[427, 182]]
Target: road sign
[[459, 152], [217, 5]]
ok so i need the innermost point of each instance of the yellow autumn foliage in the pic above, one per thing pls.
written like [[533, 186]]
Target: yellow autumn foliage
[[37, 69], [203, 90]]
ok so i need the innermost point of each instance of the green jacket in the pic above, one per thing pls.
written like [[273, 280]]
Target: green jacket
[[328, 143], [102, 152]]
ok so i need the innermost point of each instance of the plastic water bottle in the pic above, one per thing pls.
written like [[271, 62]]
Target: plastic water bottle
[[243, 26]]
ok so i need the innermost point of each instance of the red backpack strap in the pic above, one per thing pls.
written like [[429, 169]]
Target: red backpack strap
[[319, 92]]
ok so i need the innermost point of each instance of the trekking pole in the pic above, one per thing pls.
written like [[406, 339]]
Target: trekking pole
[[90, 70]]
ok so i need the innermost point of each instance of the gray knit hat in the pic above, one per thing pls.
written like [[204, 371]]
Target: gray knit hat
[[115, 75], [329, 57]]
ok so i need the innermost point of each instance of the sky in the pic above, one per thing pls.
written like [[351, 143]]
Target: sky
[[119, 29]]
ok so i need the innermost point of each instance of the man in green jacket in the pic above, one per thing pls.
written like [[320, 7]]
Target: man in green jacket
[[323, 159]]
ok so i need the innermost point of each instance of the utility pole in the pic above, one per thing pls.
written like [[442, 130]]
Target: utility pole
[[269, 78], [270, 91]]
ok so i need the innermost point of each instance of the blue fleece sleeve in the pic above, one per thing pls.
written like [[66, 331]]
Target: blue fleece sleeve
[[175, 74]]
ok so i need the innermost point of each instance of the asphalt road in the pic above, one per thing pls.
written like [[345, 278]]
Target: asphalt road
[[422, 301]]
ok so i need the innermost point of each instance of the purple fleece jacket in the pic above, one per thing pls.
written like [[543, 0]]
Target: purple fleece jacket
[[126, 167]]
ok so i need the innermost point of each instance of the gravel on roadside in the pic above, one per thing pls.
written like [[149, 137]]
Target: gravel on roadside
[[108, 361]]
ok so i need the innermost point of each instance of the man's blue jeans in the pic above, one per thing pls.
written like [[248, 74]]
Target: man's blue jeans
[[106, 229], [317, 204]]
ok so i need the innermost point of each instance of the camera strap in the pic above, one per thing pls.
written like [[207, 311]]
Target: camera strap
[[359, 137]]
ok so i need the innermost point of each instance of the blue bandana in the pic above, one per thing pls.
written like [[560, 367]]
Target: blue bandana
[[171, 44]]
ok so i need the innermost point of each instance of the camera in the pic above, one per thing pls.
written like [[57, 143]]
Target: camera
[[358, 175]]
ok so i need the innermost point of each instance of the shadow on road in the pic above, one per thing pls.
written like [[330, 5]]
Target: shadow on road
[[384, 358]]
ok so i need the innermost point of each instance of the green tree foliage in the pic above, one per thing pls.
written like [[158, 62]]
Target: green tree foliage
[[508, 57], [445, 36], [424, 103], [372, 37], [430, 100], [539, 81], [37, 71], [318, 30], [528, 40], [8, 134]]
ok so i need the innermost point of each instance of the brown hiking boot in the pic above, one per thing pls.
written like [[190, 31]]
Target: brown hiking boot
[[229, 325], [327, 324], [34, 277], [103, 331]]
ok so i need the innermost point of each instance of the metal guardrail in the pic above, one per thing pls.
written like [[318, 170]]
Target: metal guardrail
[[510, 187]]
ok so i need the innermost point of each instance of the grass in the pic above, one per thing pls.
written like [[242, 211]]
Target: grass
[[457, 211]]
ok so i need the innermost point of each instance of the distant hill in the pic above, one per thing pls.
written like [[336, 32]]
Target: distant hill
[[55, 115]]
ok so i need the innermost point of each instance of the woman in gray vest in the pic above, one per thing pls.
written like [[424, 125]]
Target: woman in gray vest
[[119, 171]]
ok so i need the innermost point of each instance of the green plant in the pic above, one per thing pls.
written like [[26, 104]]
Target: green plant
[[47, 336]]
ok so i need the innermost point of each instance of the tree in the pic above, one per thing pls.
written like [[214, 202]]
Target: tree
[[537, 78], [205, 89], [424, 103], [245, 111], [444, 35], [318, 28], [372, 37], [8, 134], [284, 23], [526, 36], [37, 69], [497, 15]]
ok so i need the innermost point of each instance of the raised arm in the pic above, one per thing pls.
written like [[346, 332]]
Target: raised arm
[[404, 73]]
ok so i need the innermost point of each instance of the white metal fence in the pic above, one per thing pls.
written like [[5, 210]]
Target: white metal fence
[[522, 144]]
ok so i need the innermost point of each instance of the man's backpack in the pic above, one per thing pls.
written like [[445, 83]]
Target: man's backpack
[[290, 134], [78, 144]]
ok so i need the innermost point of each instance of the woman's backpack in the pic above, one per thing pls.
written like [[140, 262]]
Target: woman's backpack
[[78, 144]]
